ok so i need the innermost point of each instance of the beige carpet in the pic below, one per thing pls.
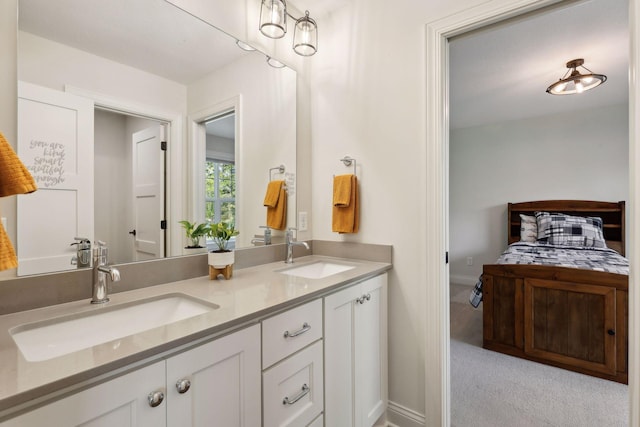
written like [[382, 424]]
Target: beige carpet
[[492, 389]]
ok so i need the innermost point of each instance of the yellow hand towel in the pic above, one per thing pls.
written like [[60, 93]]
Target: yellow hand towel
[[14, 179], [277, 215], [342, 190], [273, 193], [8, 257], [347, 219], [14, 176]]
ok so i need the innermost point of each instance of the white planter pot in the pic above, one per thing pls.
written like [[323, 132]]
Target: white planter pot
[[221, 259]]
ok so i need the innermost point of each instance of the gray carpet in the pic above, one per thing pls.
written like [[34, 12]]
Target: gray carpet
[[492, 389]]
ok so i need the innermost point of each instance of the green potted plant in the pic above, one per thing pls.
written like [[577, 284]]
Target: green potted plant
[[194, 233], [221, 233]]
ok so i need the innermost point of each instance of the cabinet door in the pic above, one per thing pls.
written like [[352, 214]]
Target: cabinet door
[[339, 357], [120, 402], [355, 354], [571, 323], [371, 351], [224, 377]]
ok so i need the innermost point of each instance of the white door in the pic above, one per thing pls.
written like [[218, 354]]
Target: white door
[[148, 193], [121, 402], [55, 142], [224, 377]]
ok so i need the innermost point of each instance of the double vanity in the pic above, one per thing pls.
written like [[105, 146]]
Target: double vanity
[[277, 345]]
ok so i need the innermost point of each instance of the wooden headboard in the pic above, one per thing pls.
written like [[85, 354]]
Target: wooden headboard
[[612, 214]]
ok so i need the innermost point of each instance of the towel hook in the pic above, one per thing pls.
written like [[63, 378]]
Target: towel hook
[[347, 160], [280, 169]]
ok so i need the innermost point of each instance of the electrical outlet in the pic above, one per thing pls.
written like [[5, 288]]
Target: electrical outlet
[[469, 260], [302, 221]]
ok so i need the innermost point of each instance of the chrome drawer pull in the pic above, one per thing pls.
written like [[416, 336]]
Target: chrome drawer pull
[[155, 398], [305, 328], [363, 298], [303, 393]]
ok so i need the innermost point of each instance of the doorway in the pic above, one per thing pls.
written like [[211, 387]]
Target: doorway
[[437, 304], [129, 185]]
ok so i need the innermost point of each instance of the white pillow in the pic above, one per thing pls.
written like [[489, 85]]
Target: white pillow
[[528, 228]]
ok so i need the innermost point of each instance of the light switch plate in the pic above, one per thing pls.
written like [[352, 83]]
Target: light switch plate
[[302, 221]]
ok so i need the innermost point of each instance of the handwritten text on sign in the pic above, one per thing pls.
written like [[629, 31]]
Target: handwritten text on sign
[[47, 167]]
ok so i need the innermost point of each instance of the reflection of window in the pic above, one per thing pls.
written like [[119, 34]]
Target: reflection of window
[[220, 191]]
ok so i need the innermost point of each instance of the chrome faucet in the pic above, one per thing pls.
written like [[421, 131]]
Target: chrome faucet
[[266, 238], [291, 243], [100, 271]]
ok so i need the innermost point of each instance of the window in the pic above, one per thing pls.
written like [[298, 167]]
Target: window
[[220, 191]]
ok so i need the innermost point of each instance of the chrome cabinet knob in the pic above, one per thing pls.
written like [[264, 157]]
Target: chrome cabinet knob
[[155, 398], [183, 385]]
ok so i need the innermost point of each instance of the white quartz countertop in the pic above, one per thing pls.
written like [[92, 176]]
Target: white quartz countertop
[[250, 295]]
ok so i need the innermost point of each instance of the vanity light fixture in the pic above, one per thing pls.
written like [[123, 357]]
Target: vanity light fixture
[[273, 24], [574, 82]]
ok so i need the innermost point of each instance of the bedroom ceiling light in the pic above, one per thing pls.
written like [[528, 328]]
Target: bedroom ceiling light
[[273, 24], [576, 82]]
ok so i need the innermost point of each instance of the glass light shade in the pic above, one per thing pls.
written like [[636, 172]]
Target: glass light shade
[[305, 36], [273, 18]]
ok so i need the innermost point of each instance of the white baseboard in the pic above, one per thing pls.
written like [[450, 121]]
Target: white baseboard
[[460, 279], [400, 416]]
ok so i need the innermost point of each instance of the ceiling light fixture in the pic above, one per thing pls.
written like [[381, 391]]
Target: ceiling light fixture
[[275, 63], [576, 82], [273, 24], [245, 46]]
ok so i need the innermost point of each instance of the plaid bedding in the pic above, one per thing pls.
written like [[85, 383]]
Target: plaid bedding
[[599, 259]]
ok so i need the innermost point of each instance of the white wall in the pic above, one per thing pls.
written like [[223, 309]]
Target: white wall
[[267, 135], [580, 155], [55, 65]]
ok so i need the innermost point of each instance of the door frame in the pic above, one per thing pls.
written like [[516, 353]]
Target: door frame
[[175, 182], [197, 152], [436, 297]]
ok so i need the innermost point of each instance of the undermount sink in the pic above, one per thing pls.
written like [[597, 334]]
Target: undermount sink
[[51, 338], [317, 270]]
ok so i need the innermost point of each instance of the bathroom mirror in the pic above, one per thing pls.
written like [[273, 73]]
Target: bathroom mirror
[[146, 64]]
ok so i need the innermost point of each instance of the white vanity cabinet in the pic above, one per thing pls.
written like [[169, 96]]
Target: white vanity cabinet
[[123, 401], [293, 391], [223, 378], [355, 354]]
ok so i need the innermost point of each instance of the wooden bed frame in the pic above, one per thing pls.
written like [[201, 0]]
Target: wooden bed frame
[[566, 317]]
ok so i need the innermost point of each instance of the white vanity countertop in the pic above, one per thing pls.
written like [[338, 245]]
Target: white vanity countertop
[[250, 295]]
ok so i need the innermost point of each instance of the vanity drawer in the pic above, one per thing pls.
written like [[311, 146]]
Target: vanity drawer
[[288, 332], [293, 390]]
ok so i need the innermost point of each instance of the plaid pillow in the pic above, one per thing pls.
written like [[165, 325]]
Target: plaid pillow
[[561, 229]]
